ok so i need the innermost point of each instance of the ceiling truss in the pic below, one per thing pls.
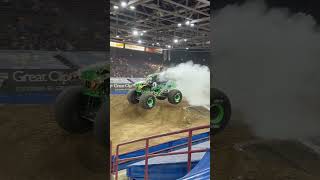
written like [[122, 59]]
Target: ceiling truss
[[157, 23]]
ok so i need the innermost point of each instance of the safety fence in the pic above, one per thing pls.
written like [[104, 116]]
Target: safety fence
[[148, 155]]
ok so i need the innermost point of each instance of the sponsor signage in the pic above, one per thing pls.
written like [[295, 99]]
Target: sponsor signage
[[134, 47], [122, 85], [120, 88], [45, 81], [116, 44]]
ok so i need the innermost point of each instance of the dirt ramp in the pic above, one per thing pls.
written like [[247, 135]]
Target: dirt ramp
[[129, 122]]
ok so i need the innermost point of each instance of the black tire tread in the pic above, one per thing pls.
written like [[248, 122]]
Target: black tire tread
[[132, 97], [143, 100], [101, 125], [171, 95], [67, 111], [218, 96]]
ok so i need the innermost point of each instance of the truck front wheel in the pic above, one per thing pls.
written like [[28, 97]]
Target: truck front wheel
[[67, 110], [101, 124], [147, 101]]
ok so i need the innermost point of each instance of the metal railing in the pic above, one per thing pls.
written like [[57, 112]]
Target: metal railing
[[148, 155]]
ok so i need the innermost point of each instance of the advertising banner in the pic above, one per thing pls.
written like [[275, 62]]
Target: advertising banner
[[122, 85], [35, 83], [154, 50], [134, 47], [116, 44]]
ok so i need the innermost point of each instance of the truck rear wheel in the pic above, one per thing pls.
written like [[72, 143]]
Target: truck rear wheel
[[67, 109], [132, 97], [175, 96], [220, 111], [147, 101]]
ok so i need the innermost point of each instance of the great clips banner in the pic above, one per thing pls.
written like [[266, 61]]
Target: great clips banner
[[34, 85], [122, 85]]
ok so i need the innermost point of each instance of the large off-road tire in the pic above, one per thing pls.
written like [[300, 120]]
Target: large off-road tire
[[174, 96], [132, 97], [147, 101], [67, 109], [220, 111], [101, 124]]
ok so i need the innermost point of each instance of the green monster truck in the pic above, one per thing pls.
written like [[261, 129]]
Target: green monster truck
[[220, 111], [146, 92], [78, 109]]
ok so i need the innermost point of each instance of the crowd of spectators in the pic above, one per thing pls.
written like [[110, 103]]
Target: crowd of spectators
[[41, 25], [122, 67]]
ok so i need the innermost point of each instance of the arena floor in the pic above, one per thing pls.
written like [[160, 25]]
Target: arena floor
[[130, 122], [33, 147], [239, 155]]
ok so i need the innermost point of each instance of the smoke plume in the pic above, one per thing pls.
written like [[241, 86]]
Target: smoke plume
[[193, 80], [268, 62]]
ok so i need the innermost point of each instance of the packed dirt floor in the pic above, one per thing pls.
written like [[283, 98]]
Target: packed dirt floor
[[33, 147], [239, 155], [129, 122]]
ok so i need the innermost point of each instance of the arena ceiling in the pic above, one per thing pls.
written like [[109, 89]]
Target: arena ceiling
[[161, 23]]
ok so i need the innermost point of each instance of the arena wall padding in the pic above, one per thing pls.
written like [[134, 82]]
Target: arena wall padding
[[167, 167], [201, 171]]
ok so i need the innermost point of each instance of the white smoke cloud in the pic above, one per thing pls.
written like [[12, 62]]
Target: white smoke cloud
[[268, 62], [193, 80]]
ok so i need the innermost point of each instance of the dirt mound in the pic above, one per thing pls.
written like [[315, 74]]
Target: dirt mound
[[129, 122]]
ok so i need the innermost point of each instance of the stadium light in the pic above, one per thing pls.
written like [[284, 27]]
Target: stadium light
[[132, 7], [192, 25], [179, 25], [169, 46], [135, 33], [123, 4], [158, 43], [115, 7], [187, 23], [175, 41]]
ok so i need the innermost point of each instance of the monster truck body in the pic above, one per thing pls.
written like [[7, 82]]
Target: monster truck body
[[95, 79], [145, 92], [79, 108], [161, 88]]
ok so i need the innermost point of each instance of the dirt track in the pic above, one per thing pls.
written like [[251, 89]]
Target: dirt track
[[33, 147], [238, 155], [130, 122]]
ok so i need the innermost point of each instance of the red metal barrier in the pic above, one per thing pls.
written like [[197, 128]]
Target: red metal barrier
[[148, 155]]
